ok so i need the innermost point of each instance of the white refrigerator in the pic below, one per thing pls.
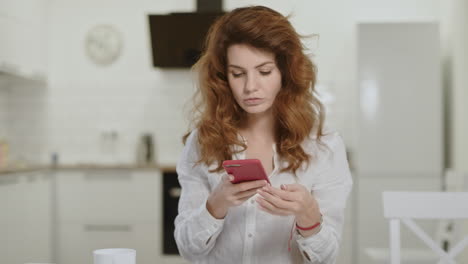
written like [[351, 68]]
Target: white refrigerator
[[400, 124]]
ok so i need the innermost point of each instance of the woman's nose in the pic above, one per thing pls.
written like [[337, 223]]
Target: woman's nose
[[250, 84]]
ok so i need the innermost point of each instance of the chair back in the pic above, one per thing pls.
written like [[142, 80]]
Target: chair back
[[406, 206]]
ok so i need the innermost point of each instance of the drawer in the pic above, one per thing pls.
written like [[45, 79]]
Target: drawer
[[117, 195], [77, 241]]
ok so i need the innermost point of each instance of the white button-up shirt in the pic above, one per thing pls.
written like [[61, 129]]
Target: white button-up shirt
[[249, 235]]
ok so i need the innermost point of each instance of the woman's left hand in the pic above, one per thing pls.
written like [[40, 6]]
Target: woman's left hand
[[291, 199]]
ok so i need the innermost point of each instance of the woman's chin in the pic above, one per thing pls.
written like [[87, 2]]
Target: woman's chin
[[257, 110]]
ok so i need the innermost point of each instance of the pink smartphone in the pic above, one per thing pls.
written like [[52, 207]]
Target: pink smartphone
[[245, 170]]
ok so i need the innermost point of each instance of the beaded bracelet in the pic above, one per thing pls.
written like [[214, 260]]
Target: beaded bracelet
[[307, 228], [310, 227]]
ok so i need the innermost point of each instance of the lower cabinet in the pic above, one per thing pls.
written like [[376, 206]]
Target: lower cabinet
[[78, 240], [26, 233], [63, 215], [110, 208]]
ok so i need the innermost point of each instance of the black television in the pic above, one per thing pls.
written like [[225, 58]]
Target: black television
[[177, 39]]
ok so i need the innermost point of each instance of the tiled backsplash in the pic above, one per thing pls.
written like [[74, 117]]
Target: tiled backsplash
[[23, 119], [3, 109]]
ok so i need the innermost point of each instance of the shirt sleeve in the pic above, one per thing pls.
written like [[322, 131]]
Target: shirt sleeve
[[196, 229], [331, 193]]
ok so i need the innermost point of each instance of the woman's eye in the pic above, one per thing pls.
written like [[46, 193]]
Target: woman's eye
[[236, 75], [264, 73]]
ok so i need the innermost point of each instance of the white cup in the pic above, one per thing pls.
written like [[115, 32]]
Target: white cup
[[114, 256]]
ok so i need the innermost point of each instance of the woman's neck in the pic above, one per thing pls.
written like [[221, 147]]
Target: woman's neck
[[260, 126]]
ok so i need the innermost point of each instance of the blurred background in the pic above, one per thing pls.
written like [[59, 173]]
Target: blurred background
[[94, 97]]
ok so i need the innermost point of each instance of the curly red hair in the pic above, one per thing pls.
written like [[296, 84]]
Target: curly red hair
[[297, 110]]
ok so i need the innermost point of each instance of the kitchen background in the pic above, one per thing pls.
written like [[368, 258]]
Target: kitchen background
[[71, 129]]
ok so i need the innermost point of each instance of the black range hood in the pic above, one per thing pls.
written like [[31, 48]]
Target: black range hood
[[177, 38]]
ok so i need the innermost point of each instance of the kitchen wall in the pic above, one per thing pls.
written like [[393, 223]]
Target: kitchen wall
[[23, 55], [130, 97], [27, 106], [82, 103], [86, 102], [3, 111]]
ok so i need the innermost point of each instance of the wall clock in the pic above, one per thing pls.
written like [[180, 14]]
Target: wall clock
[[103, 44]]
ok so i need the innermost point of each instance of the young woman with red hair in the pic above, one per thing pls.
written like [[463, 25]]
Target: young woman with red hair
[[256, 100]]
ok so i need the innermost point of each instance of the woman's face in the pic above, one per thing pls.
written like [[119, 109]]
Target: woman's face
[[254, 78]]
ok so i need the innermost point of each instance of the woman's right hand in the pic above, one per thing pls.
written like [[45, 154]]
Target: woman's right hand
[[228, 194]]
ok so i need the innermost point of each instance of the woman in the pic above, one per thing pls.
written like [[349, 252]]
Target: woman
[[257, 101]]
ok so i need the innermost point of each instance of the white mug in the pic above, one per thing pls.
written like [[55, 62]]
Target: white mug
[[114, 256]]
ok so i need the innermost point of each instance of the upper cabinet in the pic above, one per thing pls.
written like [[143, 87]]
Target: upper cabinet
[[23, 35]]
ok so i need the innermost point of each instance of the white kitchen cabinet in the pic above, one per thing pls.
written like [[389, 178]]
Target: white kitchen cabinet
[[23, 31], [26, 222], [78, 240], [105, 208], [101, 195]]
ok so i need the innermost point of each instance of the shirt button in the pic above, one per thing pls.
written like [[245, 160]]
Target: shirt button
[[250, 235], [215, 225], [252, 201]]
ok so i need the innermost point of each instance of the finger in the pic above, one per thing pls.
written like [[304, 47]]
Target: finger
[[269, 208], [227, 178], [245, 194], [285, 195], [238, 200], [245, 186], [276, 201], [292, 187], [244, 199]]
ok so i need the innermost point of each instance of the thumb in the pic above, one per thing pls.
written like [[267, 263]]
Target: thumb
[[290, 187], [229, 177]]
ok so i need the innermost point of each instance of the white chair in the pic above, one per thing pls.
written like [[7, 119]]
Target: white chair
[[406, 206]]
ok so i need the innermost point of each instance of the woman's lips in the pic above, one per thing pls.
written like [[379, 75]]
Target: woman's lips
[[253, 101]]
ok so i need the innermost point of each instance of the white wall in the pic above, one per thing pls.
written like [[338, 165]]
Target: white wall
[[23, 53], [22, 28], [84, 100], [130, 96], [3, 109]]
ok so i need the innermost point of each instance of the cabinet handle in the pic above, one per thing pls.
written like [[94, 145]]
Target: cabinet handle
[[174, 192], [114, 175], [107, 228]]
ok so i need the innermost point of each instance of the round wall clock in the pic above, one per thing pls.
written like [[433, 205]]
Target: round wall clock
[[103, 44]]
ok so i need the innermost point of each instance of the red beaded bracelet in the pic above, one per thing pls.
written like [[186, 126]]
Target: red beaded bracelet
[[310, 227], [307, 228]]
